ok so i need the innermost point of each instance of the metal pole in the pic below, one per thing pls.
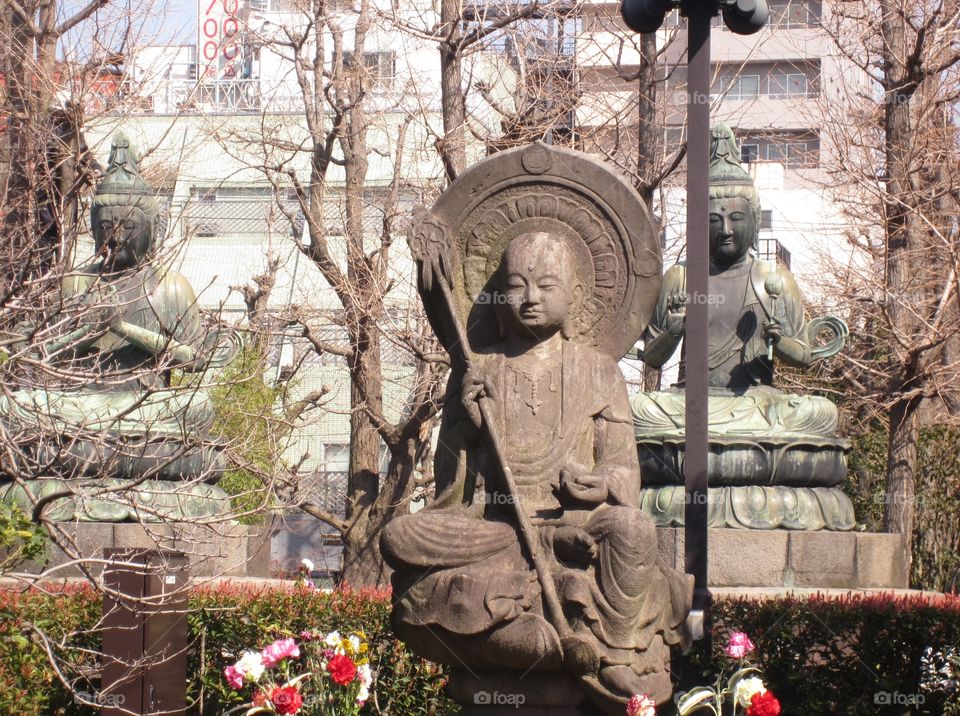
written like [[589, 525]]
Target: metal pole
[[698, 16]]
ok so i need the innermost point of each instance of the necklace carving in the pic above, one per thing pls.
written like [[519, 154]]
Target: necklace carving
[[526, 385]]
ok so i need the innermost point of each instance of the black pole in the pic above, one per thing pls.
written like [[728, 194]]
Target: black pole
[[698, 15]]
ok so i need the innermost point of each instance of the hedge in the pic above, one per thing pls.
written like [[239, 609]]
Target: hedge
[[853, 655], [223, 621], [820, 656]]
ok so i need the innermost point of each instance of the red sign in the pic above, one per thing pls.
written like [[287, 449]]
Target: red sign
[[218, 38]]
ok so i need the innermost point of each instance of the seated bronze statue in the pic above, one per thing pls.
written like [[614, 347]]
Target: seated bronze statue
[[775, 458], [534, 555], [106, 409]]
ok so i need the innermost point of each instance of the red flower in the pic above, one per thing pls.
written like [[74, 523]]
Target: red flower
[[286, 700], [342, 669], [764, 704]]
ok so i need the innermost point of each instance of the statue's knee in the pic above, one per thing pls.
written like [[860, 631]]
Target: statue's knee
[[629, 523]]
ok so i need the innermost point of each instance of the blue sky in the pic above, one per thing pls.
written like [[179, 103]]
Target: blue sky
[[173, 22]]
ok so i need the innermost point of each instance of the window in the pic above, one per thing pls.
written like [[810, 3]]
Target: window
[[742, 87], [799, 154], [784, 85], [749, 152], [773, 251], [379, 68], [766, 219], [336, 457], [796, 14]]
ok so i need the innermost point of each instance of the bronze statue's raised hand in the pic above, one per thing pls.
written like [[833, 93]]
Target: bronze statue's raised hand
[[676, 314], [580, 485], [773, 330]]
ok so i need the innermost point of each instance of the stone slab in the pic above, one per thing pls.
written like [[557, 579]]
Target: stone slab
[[788, 558], [213, 550]]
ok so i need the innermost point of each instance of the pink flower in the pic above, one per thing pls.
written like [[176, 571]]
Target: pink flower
[[641, 705], [738, 646], [278, 651], [234, 676]]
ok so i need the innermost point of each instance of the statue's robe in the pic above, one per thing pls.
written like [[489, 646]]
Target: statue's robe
[[460, 571]]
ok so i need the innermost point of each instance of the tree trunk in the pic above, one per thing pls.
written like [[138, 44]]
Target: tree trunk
[[649, 131], [366, 566], [902, 283], [453, 150], [900, 504], [361, 553]]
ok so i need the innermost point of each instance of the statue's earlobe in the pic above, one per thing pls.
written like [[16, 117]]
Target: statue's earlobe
[[576, 309]]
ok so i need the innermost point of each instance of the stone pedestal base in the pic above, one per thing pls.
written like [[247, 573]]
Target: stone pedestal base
[[515, 693], [212, 550], [755, 507], [787, 558]]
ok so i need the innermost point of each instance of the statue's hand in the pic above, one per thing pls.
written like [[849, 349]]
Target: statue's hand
[[572, 544], [475, 388], [676, 314], [577, 483], [773, 330], [99, 307]]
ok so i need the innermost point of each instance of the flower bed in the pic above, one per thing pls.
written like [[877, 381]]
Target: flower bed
[[869, 655], [224, 622]]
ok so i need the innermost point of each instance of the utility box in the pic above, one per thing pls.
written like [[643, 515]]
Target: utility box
[[144, 633]]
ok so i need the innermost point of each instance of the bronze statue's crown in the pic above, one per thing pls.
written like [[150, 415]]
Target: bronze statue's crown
[[122, 183], [725, 167], [123, 170]]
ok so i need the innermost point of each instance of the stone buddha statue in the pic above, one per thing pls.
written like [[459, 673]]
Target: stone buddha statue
[[104, 430], [775, 459], [468, 591]]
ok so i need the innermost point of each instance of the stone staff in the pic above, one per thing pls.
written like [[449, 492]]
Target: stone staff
[[430, 248]]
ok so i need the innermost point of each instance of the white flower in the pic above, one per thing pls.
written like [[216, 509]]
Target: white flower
[[332, 640], [354, 644], [251, 665], [364, 675], [308, 565], [746, 689]]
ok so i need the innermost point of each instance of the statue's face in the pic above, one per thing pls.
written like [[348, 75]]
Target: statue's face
[[122, 236], [733, 229], [539, 285]]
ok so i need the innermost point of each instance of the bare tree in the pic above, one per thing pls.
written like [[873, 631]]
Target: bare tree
[[898, 148]]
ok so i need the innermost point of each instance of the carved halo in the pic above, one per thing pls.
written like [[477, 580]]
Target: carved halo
[[577, 199]]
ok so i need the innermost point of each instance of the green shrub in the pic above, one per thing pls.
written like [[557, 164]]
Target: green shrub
[[20, 538], [246, 418], [223, 621], [820, 656], [936, 537], [843, 656], [67, 619]]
